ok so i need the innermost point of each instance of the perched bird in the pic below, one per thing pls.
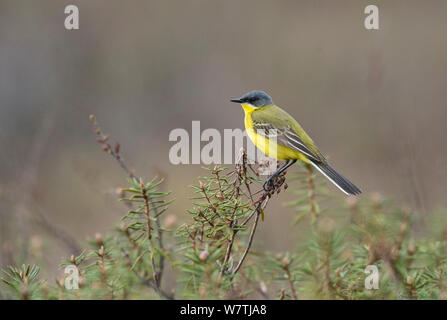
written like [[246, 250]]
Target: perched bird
[[280, 136]]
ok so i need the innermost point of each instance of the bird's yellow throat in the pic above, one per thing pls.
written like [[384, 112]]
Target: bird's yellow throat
[[248, 108]]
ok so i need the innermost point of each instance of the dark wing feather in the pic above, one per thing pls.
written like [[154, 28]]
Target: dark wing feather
[[286, 137]]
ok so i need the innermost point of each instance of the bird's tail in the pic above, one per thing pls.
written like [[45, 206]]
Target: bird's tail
[[336, 178]]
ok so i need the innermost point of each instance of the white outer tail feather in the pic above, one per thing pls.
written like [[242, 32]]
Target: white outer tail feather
[[330, 179]]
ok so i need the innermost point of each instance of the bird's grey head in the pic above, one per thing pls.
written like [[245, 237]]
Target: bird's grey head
[[255, 98]]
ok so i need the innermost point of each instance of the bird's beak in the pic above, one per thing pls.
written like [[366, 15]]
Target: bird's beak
[[236, 100]]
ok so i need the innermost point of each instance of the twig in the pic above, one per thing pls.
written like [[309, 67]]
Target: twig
[[258, 209], [227, 253], [289, 279], [282, 294], [146, 282], [115, 153], [149, 232], [230, 244], [161, 260], [102, 267]]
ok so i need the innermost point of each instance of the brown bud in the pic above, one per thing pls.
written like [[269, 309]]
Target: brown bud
[[117, 147], [203, 255], [72, 259], [285, 262], [119, 192], [263, 287], [98, 238], [105, 148], [170, 220], [44, 287]]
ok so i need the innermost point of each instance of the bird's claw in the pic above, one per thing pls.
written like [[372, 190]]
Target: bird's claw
[[267, 186]]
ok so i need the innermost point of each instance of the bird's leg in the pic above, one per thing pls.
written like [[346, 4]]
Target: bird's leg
[[277, 173]]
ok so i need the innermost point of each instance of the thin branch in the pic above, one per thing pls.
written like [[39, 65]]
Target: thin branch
[[227, 253], [230, 244], [161, 260], [115, 153], [149, 232], [289, 279], [147, 282], [258, 209]]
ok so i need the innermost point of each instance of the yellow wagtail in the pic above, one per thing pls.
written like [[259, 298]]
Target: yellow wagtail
[[280, 136]]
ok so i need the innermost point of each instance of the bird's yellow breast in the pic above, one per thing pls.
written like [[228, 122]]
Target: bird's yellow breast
[[269, 148]]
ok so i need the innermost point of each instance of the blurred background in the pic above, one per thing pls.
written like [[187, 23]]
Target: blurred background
[[373, 101]]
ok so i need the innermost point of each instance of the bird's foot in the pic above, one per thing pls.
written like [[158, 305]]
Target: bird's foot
[[268, 185], [274, 184]]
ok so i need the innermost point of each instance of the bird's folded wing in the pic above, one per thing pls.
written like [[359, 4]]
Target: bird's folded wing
[[286, 137]]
